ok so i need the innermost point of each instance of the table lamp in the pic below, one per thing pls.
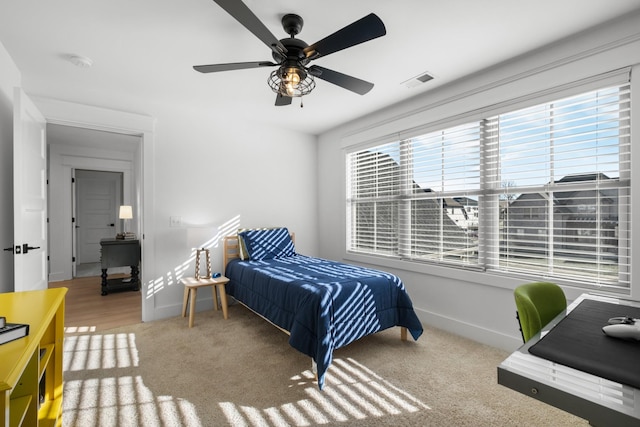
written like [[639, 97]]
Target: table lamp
[[126, 213]]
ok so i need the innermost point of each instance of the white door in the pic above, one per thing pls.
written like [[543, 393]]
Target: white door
[[97, 204], [74, 225], [29, 195]]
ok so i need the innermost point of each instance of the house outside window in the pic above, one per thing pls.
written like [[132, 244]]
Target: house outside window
[[542, 192]]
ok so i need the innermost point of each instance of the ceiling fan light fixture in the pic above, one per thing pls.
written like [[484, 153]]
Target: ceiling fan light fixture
[[291, 81]]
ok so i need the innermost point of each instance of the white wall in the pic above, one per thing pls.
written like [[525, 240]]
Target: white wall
[[215, 172], [477, 305], [9, 78]]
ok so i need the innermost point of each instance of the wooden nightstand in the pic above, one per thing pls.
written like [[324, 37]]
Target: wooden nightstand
[[191, 285]]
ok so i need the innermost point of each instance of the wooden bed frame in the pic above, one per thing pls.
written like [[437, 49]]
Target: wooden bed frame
[[231, 250]]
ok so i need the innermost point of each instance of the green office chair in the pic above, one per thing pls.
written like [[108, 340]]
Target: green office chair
[[537, 304]]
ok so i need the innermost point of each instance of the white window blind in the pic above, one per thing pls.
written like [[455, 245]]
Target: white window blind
[[541, 192], [562, 179], [441, 204], [418, 198], [374, 192]]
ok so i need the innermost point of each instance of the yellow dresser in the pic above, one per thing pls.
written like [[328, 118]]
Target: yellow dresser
[[31, 367]]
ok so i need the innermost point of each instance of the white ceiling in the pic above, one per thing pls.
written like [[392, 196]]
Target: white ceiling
[[143, 50]]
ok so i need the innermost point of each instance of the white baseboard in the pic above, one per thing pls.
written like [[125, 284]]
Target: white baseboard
[[175, 310], [58, 277], [468, 330]]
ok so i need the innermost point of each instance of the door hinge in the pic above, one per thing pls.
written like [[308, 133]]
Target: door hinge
[[73, 220], [73, 180], [73, 259]]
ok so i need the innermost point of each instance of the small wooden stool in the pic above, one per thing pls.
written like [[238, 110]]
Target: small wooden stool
[[191, 285]]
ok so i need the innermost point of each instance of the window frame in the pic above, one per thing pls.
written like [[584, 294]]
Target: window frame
[[489, 217]]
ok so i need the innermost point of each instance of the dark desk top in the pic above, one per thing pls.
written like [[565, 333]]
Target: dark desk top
[[578, 341], [599, 400]]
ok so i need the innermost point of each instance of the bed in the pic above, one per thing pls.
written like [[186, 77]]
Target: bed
[[323, 305]]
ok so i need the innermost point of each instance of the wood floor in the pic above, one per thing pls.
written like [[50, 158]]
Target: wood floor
[[87, 310]]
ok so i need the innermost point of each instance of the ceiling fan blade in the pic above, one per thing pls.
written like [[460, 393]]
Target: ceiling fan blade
[[283, 100], [213, 68], [250, 21], [365, 29], [353, 84]]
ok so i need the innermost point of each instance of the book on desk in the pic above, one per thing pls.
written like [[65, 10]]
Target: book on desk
[[13, 331]]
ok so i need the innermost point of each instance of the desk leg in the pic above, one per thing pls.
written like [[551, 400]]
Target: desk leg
[[104, 282]]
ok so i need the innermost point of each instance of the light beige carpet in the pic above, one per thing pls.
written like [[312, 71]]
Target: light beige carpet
[[242, 372]]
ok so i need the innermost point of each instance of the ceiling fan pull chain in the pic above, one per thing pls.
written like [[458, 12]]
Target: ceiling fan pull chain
[[301, 103]]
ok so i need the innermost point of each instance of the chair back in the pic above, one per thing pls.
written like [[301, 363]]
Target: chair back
[[537, 304]]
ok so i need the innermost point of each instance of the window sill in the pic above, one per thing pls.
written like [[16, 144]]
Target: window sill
[[479, 277]]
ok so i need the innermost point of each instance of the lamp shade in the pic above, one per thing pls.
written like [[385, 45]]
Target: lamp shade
[[125, 212]]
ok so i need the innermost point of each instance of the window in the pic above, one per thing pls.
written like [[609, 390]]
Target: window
[[542, 191]]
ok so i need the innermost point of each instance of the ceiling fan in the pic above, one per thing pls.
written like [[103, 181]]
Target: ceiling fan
[[294, 78]]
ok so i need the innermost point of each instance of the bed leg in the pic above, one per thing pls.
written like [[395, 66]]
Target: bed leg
[[314, 368], [403, 333]]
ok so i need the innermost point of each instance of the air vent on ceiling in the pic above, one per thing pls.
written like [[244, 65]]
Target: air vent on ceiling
[[418, 80]]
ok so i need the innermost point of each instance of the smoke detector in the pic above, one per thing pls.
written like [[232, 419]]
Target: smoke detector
[[81, 61]]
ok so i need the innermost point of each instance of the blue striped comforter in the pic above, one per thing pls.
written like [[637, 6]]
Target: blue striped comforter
[[324, 304]]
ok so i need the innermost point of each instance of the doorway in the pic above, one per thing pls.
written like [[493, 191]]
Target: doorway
[[97, 195], [139, 131], [92, 172], [101, 154]]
